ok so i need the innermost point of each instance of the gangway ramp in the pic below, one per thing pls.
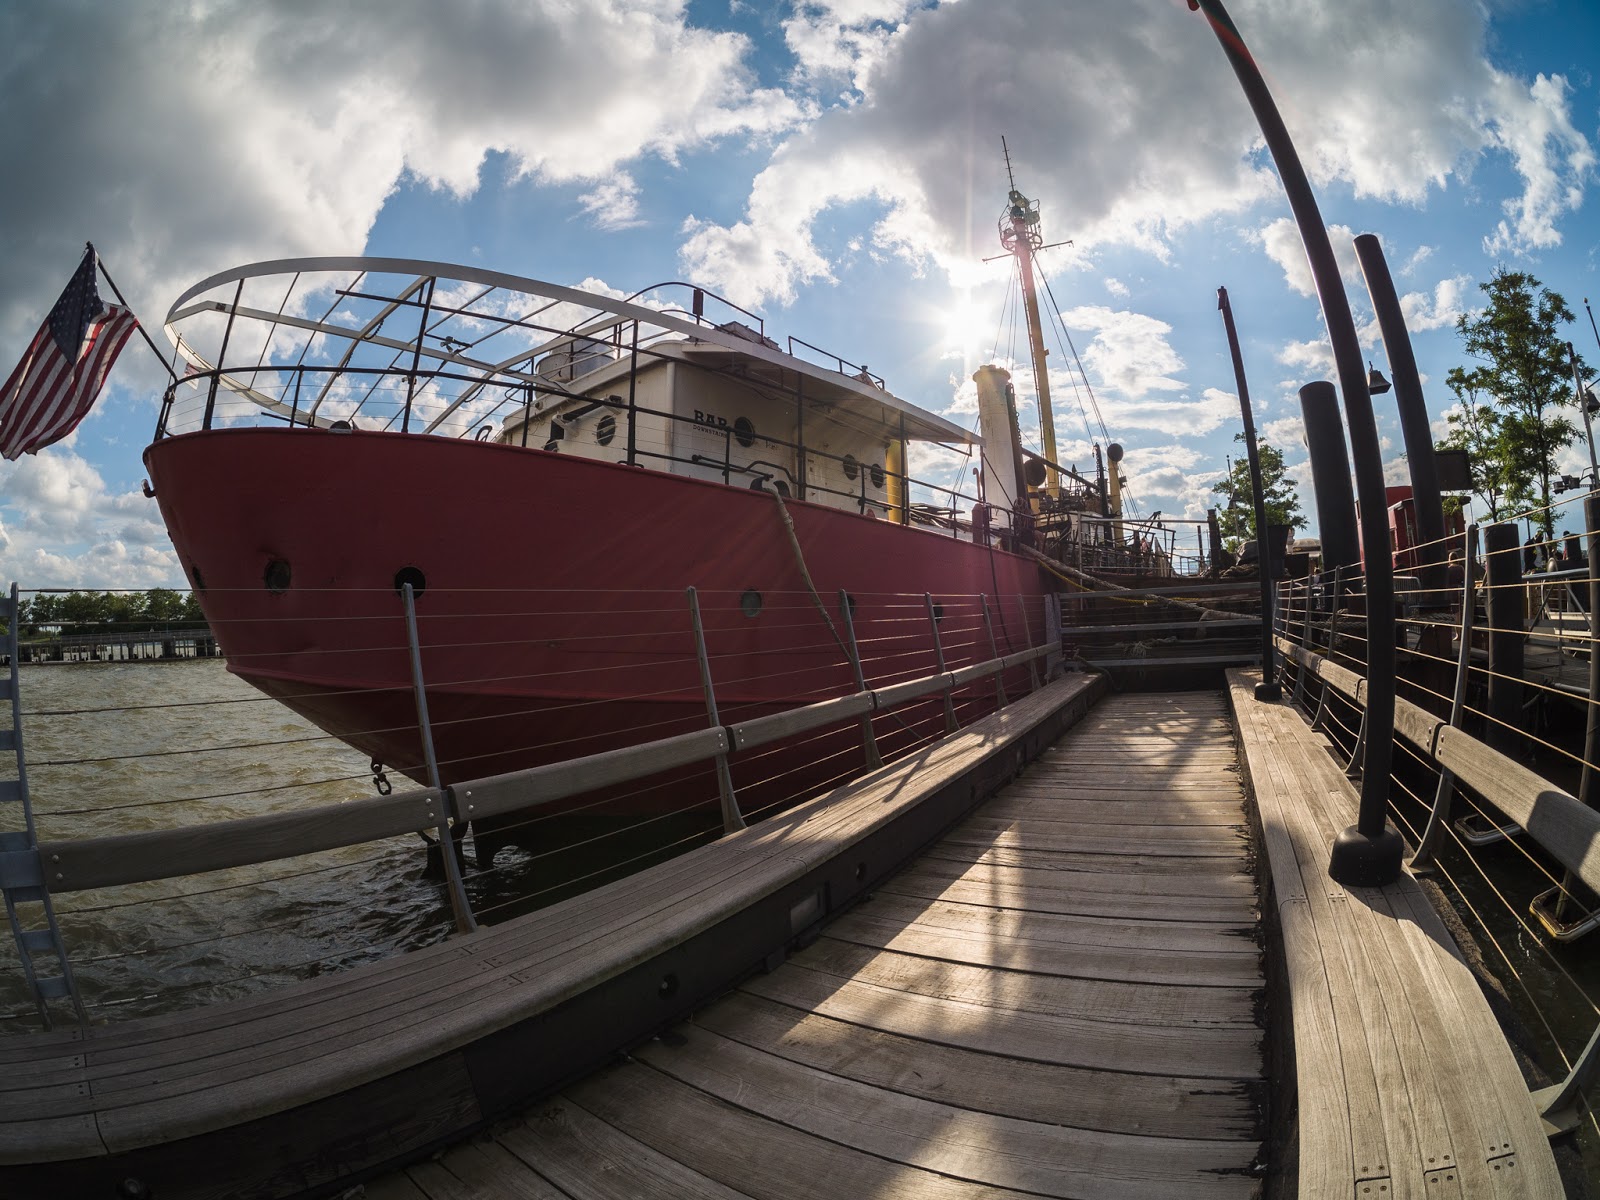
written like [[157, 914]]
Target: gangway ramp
[[1058, 998]]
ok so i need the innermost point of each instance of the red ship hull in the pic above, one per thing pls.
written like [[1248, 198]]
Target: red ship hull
[[552, 614]]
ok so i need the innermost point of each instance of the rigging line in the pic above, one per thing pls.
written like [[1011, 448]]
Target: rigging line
[[1062, 330]]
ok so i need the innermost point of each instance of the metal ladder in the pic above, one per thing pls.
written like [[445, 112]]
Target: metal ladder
[[28, 908]]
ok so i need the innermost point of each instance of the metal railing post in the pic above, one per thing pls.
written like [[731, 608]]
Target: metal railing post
[[1439, 814], [1561, 1105], [950, 722], [1333, 639], [1555, 900], [23, 881], [732, 818], [460, 907], [1027, 640], [869, 743], [216, 373], [994, 652], [1305, 644]]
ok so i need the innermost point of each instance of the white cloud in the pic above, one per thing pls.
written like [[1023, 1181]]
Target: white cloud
[[248, 131], [1281, 240], [1117, 288], [614, 203], [1098, 104], [64, 528], [1314, 360], [1534, 126]]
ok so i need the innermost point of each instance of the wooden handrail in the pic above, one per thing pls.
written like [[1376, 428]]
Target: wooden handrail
[[1557, 820], [165, 853]]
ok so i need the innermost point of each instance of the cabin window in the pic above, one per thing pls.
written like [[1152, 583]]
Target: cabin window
[[605, 430], [877, 475], [744, 432], [751, 603], [851, 467], [276, 576]]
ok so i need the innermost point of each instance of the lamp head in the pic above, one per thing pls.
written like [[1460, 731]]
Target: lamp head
[[1376, 383]]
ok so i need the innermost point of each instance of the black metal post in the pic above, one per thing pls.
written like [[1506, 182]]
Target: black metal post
[[1369, 853], [216, 372], [1268, 688], [416, 355], [1425, 495]]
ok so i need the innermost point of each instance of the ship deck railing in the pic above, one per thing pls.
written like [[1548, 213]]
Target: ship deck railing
[[891, 654]]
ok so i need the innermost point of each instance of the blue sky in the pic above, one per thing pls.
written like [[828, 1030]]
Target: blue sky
[[835, 166]]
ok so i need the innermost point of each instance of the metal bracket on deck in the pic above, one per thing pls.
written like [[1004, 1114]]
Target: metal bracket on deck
[[1475, 830], [1550, 911]]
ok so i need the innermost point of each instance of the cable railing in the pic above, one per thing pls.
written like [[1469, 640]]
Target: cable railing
[[1495, 780], [199, 849]]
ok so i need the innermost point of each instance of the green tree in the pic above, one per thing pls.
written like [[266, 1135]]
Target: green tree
[[1238, 518], [1522, 364], [1476, 427]]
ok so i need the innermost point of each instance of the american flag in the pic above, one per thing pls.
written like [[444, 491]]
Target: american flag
[[55, 384]]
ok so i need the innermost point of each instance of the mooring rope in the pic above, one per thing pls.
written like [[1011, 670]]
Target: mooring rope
[[805, 573], [1072, 575]]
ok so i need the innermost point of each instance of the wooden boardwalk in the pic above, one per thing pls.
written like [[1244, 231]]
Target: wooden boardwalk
[[1059, 999], [1403, 1081]]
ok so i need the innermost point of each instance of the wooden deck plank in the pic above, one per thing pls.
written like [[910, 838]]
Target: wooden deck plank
[[592, 1160], [763, 1158], [1181, 1006], [1017, 925], [1224, 969], [1418, 1026], [1061, 891], [1132, 1102], [1048, 830], [951, 1140], [1064, 1038], [483, 1170]]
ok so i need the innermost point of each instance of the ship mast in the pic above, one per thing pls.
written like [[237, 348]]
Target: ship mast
[[1020, 235]]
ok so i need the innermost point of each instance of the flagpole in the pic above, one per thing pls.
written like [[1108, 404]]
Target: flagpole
[[138, 324]]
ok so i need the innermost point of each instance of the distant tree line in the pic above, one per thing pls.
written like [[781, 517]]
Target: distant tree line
[[105, 612]]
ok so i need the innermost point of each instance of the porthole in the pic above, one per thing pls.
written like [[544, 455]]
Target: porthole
[[877, 475], [276, 576], [744, 432], [851, 467], [413, 576], [605, 429], [197, 577], [751, 603]]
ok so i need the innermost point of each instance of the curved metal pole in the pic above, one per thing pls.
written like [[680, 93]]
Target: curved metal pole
[[1268, 688], [1369, 853], [1413, 409]]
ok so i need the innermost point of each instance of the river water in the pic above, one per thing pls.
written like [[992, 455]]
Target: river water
[[124, 747]]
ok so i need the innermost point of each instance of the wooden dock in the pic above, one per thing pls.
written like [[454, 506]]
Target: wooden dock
[[899, 989], [1401, 1081], [1057, 999]]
